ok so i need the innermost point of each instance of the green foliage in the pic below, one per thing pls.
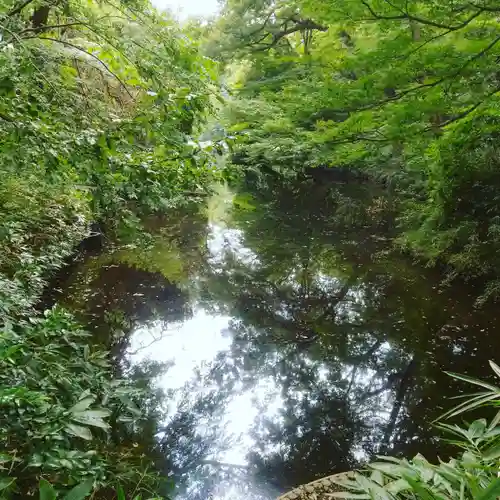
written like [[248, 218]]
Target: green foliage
[[471, 475], [100, 107], [406, 91], [59, 404]]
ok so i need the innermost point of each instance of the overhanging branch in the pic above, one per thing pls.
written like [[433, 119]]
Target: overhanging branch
[[421, 20], [106, 67], [300, 25]]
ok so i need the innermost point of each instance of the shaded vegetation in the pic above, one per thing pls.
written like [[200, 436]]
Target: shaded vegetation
[[404, 92], [97, 107], [101, 105]]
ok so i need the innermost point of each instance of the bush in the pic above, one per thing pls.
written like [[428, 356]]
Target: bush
[[58, 404]]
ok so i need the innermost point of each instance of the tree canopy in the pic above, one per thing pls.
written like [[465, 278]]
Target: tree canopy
[[404, 91]]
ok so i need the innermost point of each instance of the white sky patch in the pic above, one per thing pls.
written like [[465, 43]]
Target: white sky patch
[[190, 346], [188, 8], [223, 239], [193, 344], [187, 344]]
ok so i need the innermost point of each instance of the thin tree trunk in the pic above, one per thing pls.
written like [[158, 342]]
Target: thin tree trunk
[[398, 403]]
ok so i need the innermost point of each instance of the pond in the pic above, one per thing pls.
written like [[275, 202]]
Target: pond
[[287, 339]]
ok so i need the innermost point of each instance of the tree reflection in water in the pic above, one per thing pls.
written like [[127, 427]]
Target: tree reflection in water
[[304, 344]]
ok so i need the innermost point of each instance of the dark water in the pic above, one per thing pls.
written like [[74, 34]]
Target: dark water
[[288, 338]]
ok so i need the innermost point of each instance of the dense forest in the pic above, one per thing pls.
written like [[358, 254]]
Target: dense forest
[[404, 92], [115, 116]]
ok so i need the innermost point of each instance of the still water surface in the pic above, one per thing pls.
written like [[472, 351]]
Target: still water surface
[[289, 339]]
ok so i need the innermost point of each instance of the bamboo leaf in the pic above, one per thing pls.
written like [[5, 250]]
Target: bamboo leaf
[[491, 492], [470, 405], [495, 421], [495, 368], [474, 381], [82, 405]]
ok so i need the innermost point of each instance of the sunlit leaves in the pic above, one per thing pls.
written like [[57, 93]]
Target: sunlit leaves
[[406, 91]]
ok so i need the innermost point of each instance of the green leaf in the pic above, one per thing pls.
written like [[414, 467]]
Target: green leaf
[[120, 494], [220, 98], [377, 477], [491, 492], [477, 427], [372, 488], [421, 491], [388, 468], [92, 417], [395, 487], [81, 491], [474, 381], [82, 405], [47, 492], [495, 368], [492, 453], [6, 483], [10, 351], [470, 404], [449, 472], [79, 431], [495, 421]]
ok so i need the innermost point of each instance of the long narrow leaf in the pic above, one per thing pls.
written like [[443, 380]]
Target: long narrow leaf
[[470, 405], [474, 381], [495, 421], [491, 492], [470, 398], [120, 493], [495, 368]]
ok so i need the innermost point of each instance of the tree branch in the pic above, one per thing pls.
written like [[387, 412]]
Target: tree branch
[[420, 20], [260, 28], [304, 24], [53, 26], [404, 93], [464, 113], [108, 69]]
